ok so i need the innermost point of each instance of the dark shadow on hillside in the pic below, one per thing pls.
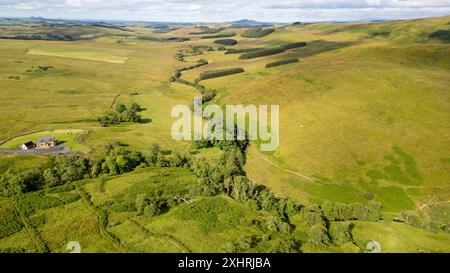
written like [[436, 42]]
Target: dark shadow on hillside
[[443, 35], [166, 152]]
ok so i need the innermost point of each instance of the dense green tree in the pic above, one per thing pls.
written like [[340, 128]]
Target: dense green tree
[[341, 233], [120, 108], [318, 236], [153, 156]]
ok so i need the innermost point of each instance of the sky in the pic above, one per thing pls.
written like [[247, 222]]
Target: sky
[[226, 10]]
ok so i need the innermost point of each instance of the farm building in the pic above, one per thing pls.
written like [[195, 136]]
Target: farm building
[[46, 142], [28, 146]]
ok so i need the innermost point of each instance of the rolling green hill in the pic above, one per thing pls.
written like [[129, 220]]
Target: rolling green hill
[[364, 144]]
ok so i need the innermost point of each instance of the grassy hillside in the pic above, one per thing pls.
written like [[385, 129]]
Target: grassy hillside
[[363, 120], [364, 117]]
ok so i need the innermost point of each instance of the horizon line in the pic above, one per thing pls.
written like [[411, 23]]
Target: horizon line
[[218, 22]]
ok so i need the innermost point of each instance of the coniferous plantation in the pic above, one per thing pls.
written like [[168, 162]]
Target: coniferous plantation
[[88, 154]]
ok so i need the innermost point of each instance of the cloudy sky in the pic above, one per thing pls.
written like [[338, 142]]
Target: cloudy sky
[[226, 10]]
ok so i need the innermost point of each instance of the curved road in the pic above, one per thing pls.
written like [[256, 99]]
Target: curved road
[[60, 150]]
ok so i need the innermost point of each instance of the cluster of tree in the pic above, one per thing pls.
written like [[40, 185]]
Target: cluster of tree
[[271, 51], [227, 42], [346, 212], [282, 62], [257, 32], [9, 223], [262, 53], [178, 39], [341, 233], [41, 68], [207, 94], [110, 26], [207, 31], [43, 37], [152, 204], [240, 50], [178, 72], [219, 73], [228, 177], [121, 114], [412, 219], [180, 57], [293, 45], [61, 170], [218, 36], [327, 222]]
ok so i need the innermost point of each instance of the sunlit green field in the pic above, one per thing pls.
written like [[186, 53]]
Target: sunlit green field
[[363, 117], [115, 56], [369, 117], [68, 138]]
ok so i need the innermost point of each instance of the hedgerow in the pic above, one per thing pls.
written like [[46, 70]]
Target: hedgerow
[[144, 232], [225, 35], [102, 217], [262, 53], [228, 42], [294, 45], [207, 31], [219, 73], [282, 62], [240, 50]]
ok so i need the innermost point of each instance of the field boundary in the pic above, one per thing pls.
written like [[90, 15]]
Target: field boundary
[[146, 233]]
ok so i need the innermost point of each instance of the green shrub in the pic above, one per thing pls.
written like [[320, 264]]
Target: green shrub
[[121, 114], [355, 211], [68, 197], [228, 42], [124, 206], [294, 45], [36, 221], [341, 233], [257, 32], [313, 216], [318, 236], [9, 223], [219, 73], [262, 53], [30, 202], [240, 50], [282, 62]]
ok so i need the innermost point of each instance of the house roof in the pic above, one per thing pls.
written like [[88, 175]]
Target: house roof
[[29, 144], [46, 139]]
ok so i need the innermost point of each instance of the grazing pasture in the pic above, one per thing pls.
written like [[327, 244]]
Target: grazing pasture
[[363, 122], [115, 56]]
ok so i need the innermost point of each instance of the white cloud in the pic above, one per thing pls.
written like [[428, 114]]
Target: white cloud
[[195, 7], [226, 10], [74, 3]]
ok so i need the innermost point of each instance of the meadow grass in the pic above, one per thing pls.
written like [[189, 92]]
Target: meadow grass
[[115, 56], [363, 113], [66, 138]]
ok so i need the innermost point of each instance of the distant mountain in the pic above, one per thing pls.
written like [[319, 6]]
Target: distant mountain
[[249, 23]]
